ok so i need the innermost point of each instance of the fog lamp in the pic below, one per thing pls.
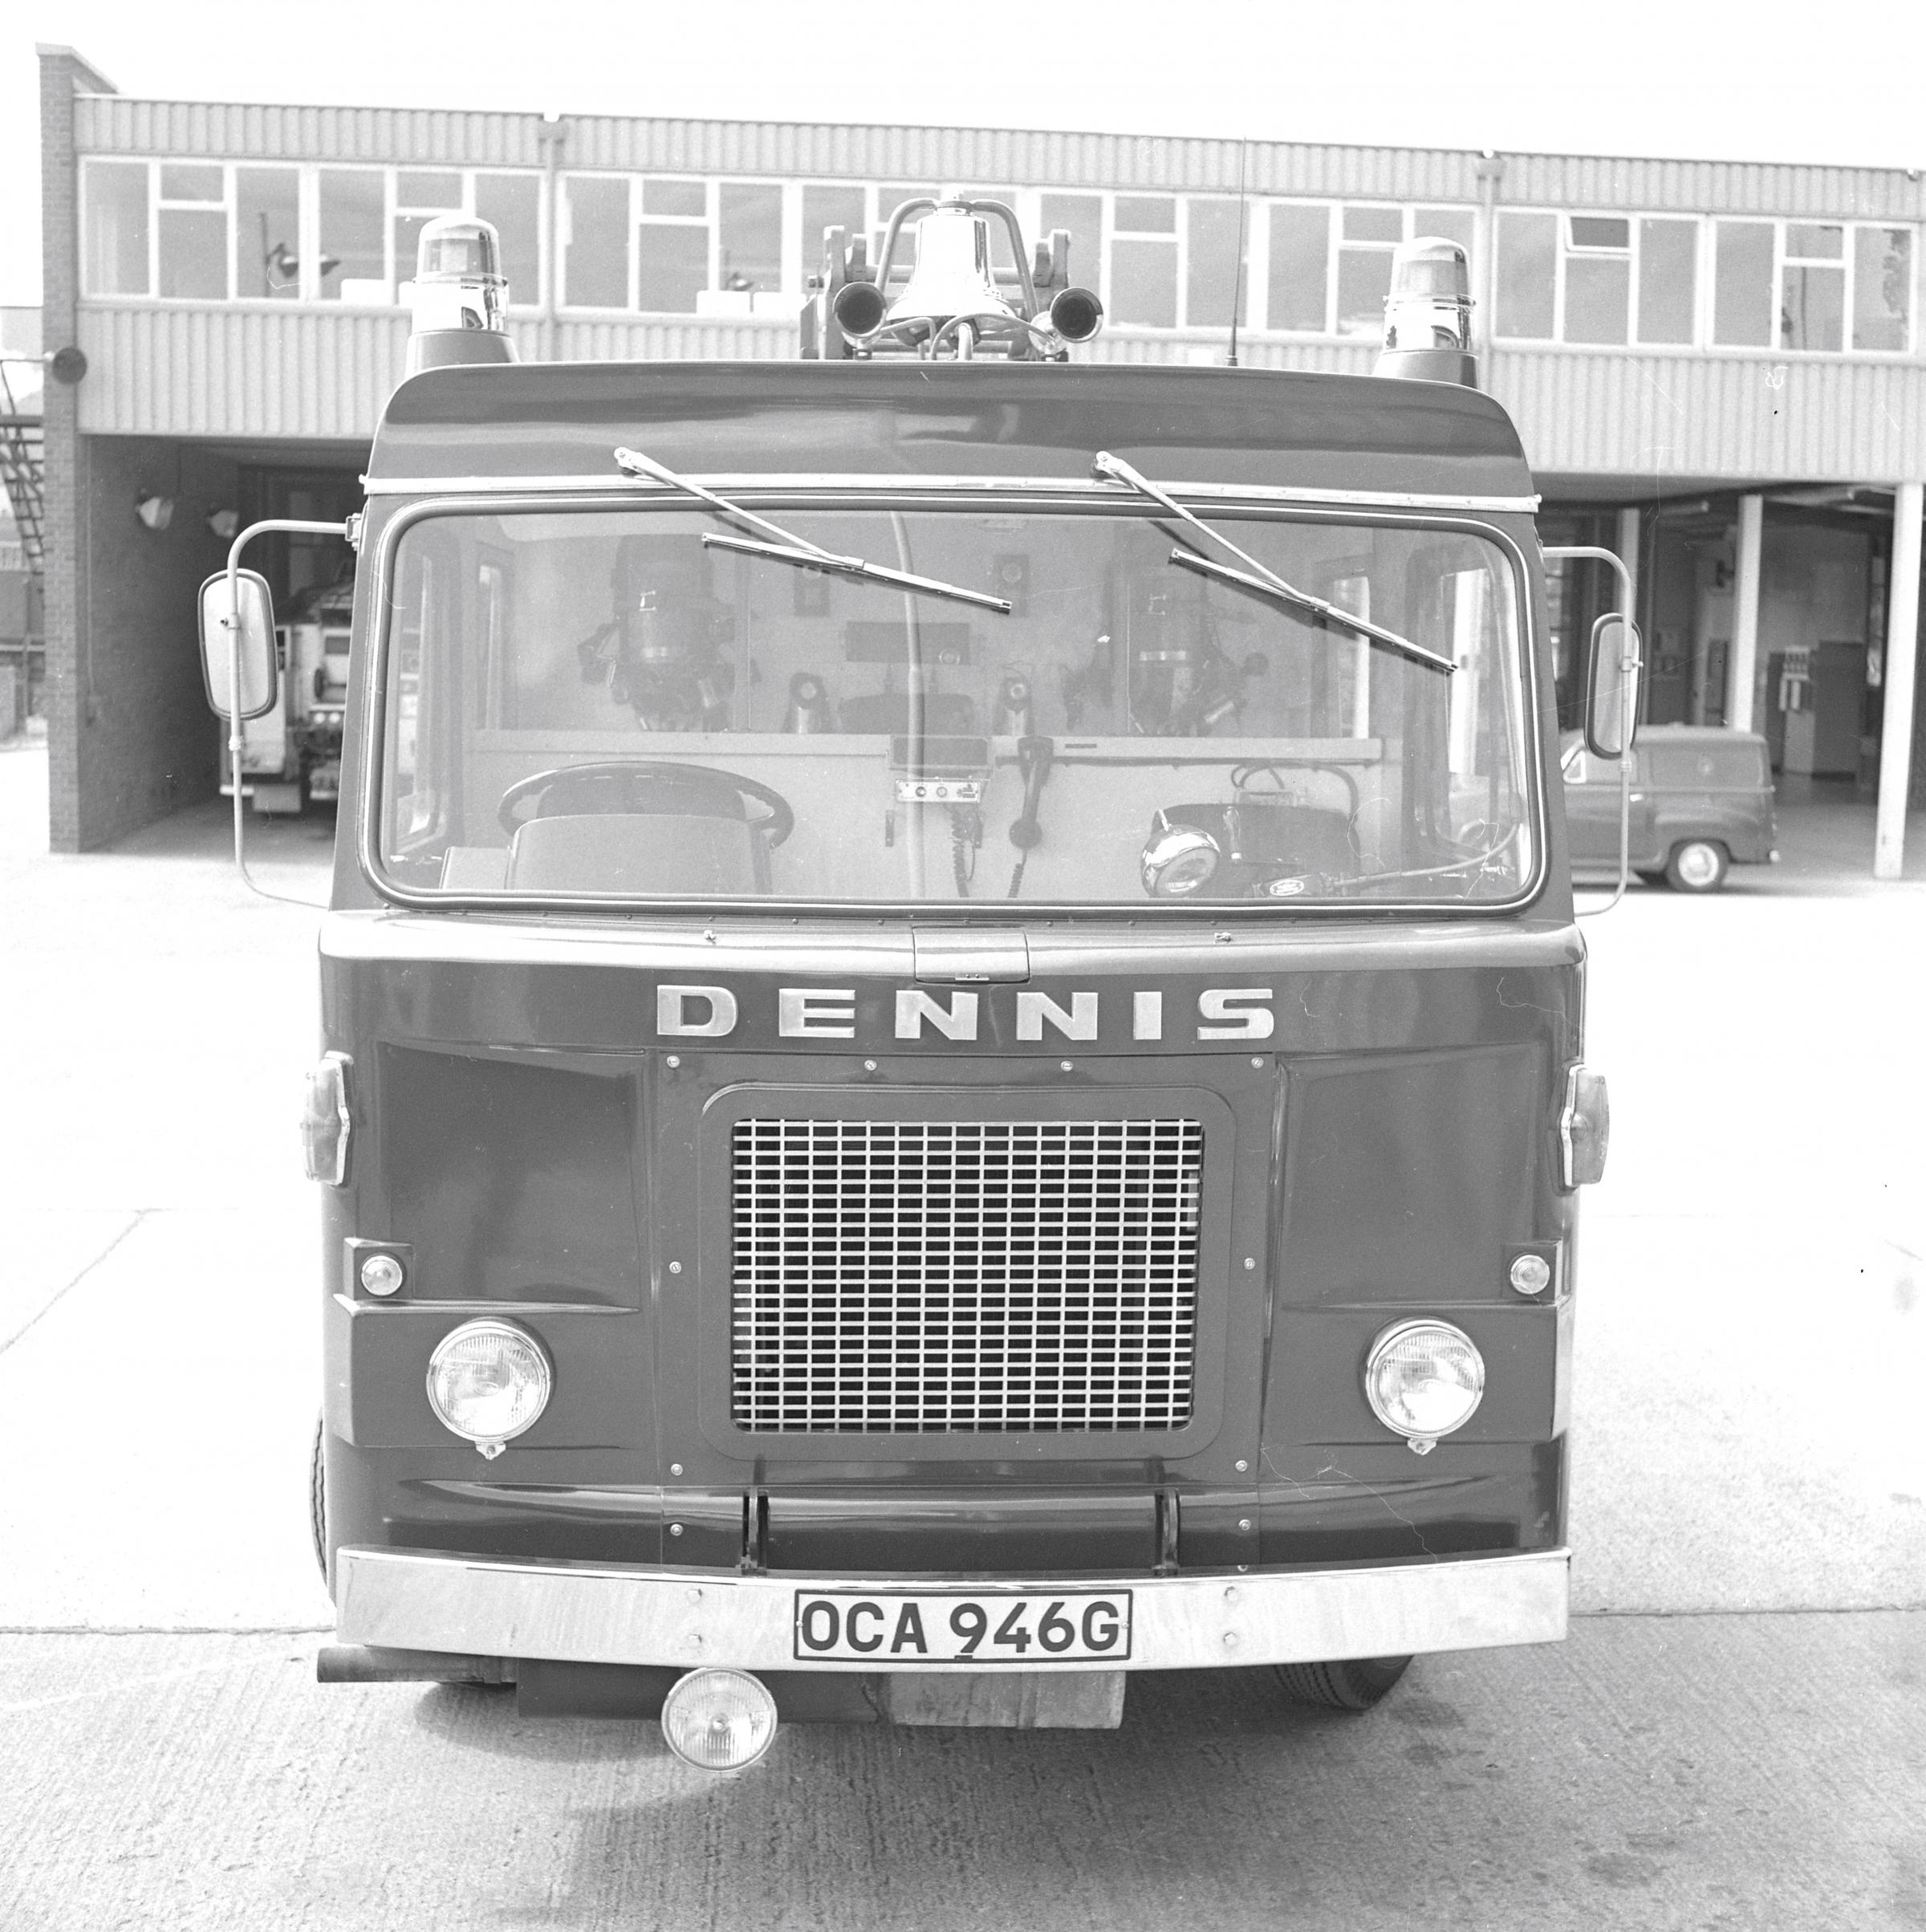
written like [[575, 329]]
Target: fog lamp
[[1179, 862], [1424, 1379], [719, 1720], [489, 1380]]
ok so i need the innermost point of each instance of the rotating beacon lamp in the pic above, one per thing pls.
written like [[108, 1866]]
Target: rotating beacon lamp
[[1427, 314], [460, 293]]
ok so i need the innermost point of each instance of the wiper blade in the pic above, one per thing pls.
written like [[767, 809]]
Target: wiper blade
[[1281, 592], [810, 558], [1265, 581], [790, 548]]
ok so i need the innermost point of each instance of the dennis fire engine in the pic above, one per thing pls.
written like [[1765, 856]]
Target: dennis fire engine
[[952, 1018]]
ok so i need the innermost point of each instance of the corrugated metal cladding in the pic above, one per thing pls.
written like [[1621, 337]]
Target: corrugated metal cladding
[[988, 156], [111, 123], [219, 370], [1732, 416]]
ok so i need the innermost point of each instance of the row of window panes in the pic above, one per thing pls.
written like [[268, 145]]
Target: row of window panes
[[1660, 280], [684, 245], [212, 231], [681, 244]]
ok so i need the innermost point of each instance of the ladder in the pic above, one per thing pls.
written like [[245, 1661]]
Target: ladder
[[22, 472]]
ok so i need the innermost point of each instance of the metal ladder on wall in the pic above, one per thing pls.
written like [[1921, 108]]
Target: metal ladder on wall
[[23, 472]]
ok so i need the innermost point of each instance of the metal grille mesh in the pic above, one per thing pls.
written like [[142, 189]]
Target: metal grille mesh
[[931, 1276]]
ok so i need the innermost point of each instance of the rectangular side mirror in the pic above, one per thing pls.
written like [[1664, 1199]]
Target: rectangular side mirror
[[1611, 686], [255, 621]]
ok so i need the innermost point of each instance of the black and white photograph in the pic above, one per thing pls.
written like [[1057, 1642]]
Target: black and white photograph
[[962, 967]]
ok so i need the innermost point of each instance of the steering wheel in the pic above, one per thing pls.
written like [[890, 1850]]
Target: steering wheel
[[642, 784]]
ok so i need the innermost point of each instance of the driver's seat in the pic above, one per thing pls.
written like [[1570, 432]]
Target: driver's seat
[[667, 854]]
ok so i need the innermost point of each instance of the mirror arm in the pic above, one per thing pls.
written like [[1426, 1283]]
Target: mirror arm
[[1598, 553], [237, 727]]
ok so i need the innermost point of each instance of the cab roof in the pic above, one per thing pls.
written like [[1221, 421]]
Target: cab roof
[[903, 419]]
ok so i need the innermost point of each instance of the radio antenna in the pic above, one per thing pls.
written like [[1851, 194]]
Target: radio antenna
[[1237, 286]]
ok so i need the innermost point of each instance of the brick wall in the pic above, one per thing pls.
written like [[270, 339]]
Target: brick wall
[[63, 73], [145, 742]]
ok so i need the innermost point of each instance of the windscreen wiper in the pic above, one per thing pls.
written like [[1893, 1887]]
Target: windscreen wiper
[[799, 551], [1265, 581]]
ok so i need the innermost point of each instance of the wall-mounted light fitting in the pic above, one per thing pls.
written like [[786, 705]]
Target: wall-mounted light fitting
[[155, 512], [224, 523]]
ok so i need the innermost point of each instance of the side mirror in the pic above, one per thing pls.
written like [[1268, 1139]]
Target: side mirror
[[249, 614], [1611, 686]]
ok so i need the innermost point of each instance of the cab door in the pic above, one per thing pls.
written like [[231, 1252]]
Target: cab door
[[1591, 811]]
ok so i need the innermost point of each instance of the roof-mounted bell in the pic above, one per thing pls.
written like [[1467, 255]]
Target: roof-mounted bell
[[459, 295], [1427, 314], [953, 302]]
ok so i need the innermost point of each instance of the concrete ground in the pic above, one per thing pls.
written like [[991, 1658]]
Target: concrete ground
[[1731, 1737]]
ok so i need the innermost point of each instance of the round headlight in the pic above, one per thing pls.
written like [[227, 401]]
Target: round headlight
[[489, 1380], [719, 1720], [1424, 1379], [1179, 862]]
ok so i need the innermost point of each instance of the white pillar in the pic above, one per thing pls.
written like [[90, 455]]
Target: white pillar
[[1745, 615], [1628, 547], [1902, 664]]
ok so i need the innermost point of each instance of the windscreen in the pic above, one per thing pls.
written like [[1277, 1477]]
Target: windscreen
[[602, 703]]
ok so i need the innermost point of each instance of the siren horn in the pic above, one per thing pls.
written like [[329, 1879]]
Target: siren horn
[[1075, 313]]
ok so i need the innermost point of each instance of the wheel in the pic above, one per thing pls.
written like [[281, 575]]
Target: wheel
[[317, 1500], [1697, 865], [643, 784], [1350, 1684]]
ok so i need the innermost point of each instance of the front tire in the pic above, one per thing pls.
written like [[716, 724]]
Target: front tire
[[317, 1500], [1356, 1683], [1697, 865]]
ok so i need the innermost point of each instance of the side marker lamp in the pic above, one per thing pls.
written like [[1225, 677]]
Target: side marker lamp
[[719, 1720], [1424, 1379], [324, 1119], [1584, 1129], [489, 1382]]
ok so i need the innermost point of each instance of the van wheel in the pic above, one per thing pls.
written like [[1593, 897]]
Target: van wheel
[[1697, 865], [1355, 1683], [317, 1500]]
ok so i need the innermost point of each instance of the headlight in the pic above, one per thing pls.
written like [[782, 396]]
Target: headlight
[[719, 1720], [1424, 1379], [1179, 862], [489, 1380]]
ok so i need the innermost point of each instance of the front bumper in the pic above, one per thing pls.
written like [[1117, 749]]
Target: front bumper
[[613, 1614]]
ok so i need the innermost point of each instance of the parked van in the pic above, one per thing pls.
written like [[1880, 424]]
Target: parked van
[[1702, 802]]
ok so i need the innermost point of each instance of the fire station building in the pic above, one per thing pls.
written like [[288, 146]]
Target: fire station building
[[1718, 368]]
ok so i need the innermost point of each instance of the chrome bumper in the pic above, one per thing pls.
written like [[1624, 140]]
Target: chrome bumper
[[593, 1613]]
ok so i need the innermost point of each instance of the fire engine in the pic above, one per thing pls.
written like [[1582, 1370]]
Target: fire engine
[[953, 1023], [291, 754]]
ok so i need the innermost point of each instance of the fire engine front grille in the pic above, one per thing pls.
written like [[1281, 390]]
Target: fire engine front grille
[[965, 1276]]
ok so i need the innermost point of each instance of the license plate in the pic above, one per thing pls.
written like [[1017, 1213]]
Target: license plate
[[1007, 1628]]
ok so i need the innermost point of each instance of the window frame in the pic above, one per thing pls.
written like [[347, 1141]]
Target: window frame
[[960, 496]]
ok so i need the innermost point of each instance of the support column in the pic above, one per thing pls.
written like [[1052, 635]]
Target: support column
[[1631, 524], [1901, 665], [1744, 671]]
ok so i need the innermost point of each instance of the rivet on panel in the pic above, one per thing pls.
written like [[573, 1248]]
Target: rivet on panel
[[1230, 1640], [1250, 1261], [869, 1066], [1068, 1066], [1257, 1060], [674, 1469], [675, 1267], [674, 1059], [1244, 1524], [675, 1529], [1243, 1467]]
